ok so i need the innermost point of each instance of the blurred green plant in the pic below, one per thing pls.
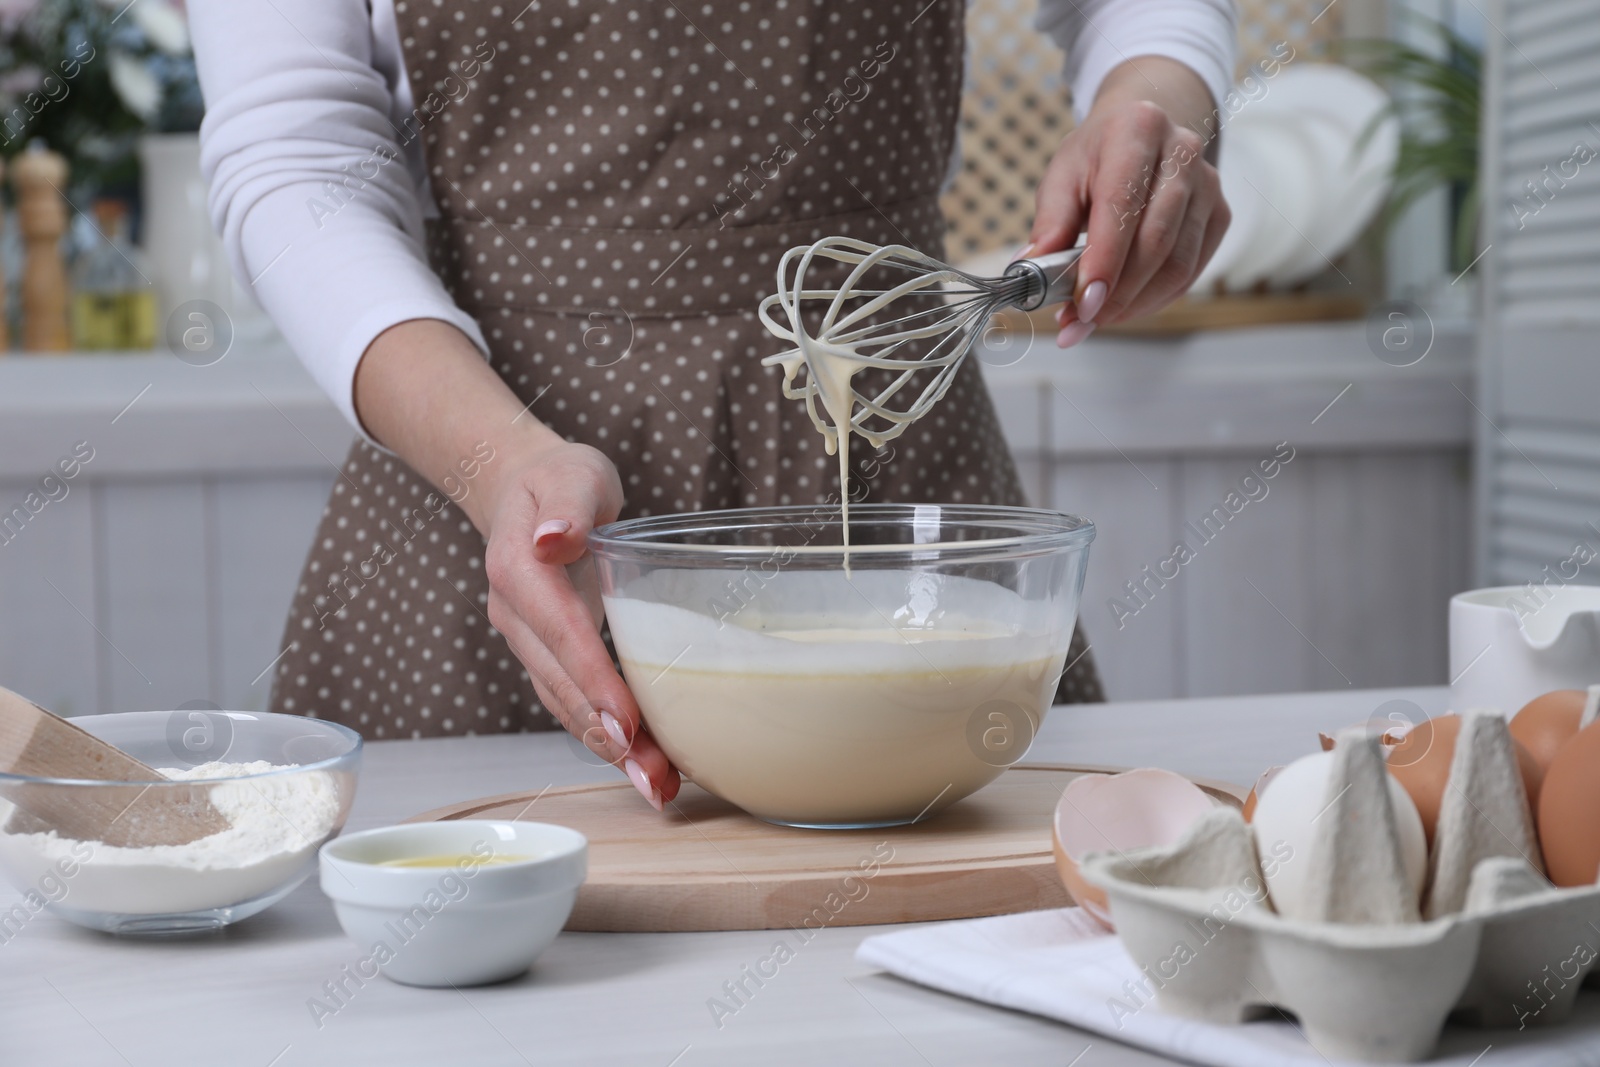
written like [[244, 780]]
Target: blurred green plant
[[1436, 98], [87, 77]]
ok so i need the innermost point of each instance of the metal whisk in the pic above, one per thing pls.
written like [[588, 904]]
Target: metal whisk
[[923, 299]]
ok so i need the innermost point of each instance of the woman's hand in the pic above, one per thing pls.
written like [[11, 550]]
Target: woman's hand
[[1135, 174], [543, 599], [423, 389]]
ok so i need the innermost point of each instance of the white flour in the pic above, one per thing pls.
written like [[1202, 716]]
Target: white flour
[[277, 823]]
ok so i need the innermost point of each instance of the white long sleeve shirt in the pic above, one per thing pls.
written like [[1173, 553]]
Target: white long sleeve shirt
[[300, 93]]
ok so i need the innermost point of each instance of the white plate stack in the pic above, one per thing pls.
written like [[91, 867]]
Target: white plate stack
[[1298, 175]]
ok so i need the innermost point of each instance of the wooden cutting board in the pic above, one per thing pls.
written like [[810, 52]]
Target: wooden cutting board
[[706, 865]]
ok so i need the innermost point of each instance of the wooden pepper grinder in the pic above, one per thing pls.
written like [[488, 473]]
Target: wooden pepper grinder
[[38, 176]]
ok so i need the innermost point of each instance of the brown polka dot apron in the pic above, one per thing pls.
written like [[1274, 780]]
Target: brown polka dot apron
[[616, 182]]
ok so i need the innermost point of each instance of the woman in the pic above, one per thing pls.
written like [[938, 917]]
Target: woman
[[593, 195]]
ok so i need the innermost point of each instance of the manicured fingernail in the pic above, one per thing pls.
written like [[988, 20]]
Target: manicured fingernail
[[1024, 252], [1074, 333], [1094, 298], [552, 528], [613, 728], [641, 782]]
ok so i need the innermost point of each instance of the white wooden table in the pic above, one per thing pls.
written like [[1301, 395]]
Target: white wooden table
[[240, 998]]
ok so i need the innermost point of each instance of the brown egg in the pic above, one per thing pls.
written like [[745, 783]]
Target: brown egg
[[1548, 722], [1569, 811], [1421, 760]]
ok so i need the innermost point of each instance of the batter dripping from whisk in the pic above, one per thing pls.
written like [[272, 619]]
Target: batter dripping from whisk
[[957, 307], [833, 370]]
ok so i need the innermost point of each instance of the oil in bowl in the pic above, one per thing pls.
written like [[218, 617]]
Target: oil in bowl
[[454, 859], [454, 903]]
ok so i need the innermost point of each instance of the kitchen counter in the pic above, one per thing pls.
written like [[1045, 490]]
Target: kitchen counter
[[1319, 385], [1224, 391], [241, 997], [150, 415]]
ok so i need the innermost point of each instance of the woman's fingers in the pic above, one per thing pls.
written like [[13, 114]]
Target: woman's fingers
[[555, 633], [640, 758], [1058, 210], [558, 691], [1119, 192], [1150, 205], [1204, 220], [601, 713], [572, 494], [1216, 227], [569, 655], [1168, 252], [1172, 277], [1166, 235], [544, 600]]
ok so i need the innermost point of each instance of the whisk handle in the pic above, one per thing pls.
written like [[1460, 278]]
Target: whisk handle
[[1050, 278]]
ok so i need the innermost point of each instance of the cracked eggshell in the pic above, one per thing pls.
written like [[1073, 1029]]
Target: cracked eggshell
[[1261, 783], [1420, 760], [1116, 813], [1285, 827]]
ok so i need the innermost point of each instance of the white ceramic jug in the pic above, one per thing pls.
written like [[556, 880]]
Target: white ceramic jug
[[1509, 644]]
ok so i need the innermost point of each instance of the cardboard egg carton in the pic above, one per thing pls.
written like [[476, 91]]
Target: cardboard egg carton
[[1369, 975]]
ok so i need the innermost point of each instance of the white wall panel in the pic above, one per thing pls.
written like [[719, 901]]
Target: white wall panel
[[1138, 655], [1248, 605], [153, 544], [48, 646], [1389, 541], [1353, 557], [264, 527]]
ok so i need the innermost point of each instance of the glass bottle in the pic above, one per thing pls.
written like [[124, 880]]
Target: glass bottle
[[113, 302]]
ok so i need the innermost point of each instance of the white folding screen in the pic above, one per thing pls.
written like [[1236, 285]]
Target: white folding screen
[[1538, 440]]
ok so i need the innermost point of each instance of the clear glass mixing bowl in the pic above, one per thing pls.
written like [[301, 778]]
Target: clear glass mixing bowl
[[815, 687], [275, 822]]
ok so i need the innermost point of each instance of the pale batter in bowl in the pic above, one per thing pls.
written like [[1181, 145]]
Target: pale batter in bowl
[[811, 696]]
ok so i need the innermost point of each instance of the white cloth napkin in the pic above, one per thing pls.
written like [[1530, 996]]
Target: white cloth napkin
[[1063, 965]]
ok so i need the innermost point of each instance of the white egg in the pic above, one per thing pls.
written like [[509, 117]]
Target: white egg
[[1285, 829]]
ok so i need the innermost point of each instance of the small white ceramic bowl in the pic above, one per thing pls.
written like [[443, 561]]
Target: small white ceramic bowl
[[476, 922]]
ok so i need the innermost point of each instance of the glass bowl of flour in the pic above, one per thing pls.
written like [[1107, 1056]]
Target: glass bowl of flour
[[282, 785], [819, 685]]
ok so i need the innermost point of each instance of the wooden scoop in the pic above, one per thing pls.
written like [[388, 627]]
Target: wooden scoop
[[39, 744]]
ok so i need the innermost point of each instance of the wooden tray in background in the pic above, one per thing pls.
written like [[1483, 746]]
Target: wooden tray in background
[[706, 865], [1216, 313]]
